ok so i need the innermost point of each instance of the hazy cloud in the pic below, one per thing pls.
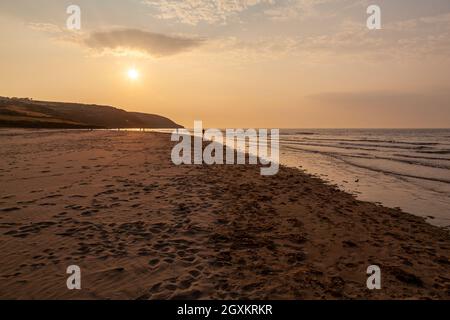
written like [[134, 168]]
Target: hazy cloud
[[45, 27], [296, 9], [153, 44], [415, 38], [420, 38], [194, 11]]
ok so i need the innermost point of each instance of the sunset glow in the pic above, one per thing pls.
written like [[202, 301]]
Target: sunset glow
[[218, 152], [287, 64]]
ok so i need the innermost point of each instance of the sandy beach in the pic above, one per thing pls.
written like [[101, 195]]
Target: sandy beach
[[140, 227]]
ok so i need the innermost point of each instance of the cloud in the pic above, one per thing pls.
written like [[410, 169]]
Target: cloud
[[318, 9], [220, 11], [426, 37], [413, 39], [121, 42], [150, 43], [419, 39], [195, 11], [44, 27]]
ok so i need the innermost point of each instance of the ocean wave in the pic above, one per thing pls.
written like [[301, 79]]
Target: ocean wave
[[344, 158], [419, 143]]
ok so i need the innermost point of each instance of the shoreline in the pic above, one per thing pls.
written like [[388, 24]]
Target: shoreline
[[143, 228], [351, 184]]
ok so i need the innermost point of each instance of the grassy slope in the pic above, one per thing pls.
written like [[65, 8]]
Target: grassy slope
[[43, 114]]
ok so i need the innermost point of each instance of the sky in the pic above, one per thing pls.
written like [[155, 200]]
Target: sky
[[236, 63]]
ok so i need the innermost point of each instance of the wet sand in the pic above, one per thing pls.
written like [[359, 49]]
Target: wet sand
[[140, 227]]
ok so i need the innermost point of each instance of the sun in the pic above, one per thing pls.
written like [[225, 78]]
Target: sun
[[133, 74]]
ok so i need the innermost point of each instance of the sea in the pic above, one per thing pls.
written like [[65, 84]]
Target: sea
[[399, 168]]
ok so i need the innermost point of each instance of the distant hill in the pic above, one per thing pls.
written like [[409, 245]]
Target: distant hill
[[27, 113]]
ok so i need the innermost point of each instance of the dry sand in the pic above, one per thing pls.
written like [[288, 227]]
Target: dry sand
[[141, 228]]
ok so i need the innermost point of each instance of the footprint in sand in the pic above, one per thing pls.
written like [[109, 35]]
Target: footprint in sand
[[154, 262]]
